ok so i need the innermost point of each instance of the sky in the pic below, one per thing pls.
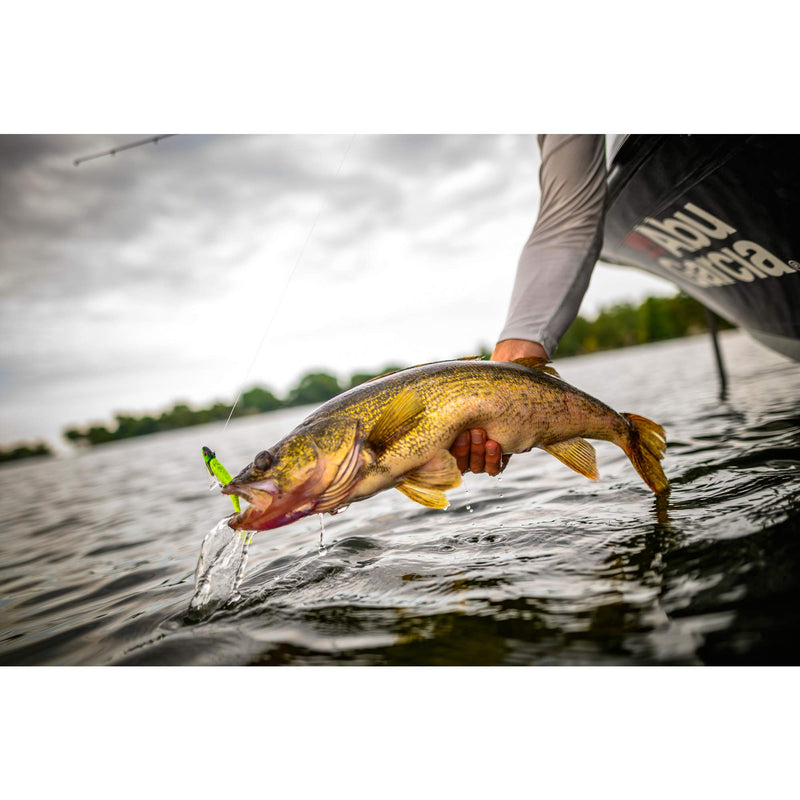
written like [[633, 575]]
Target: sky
[[188, 269]]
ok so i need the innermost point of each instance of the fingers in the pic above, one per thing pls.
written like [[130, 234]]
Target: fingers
[[460, 451], [493, 456], [477, 453], [474, 452], [496, 462]]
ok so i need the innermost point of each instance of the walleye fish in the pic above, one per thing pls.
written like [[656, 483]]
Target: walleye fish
[[397, 430]]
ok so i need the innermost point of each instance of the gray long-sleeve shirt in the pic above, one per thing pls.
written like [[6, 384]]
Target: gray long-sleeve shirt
[[557, 260]]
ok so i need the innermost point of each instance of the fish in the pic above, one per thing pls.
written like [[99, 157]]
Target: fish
[[396, 431]]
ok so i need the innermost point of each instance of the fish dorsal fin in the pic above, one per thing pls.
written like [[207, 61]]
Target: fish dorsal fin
[[536, 362], [426, 484], [385, 374], [402, 413], [577, 454], [344, 480], [426, 364]]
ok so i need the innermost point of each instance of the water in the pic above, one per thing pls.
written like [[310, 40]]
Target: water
[[220, 569], [99, 550]]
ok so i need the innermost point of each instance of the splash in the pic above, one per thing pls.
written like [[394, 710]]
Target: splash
[[220, 568]]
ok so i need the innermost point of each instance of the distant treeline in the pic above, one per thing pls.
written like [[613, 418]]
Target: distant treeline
[[624, 324], [313, 388], [621, 325], [24, 450]]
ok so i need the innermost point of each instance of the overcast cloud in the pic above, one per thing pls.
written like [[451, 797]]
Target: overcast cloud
[[133, 281]]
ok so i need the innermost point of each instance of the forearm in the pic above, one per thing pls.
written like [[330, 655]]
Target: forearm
[[556, 263]]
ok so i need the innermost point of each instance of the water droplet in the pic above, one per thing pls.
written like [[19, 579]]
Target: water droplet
[[322, 550], [248, 540]]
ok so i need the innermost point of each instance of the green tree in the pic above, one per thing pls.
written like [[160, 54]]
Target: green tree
[[24, 450], [574, 340], [258, 400], [179, 416], [99, 434], [314, 387], [76, 436]]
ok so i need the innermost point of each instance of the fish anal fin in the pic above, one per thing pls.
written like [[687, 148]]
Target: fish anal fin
[[577, 454], [402, 414], [426, 484], [536, 362]]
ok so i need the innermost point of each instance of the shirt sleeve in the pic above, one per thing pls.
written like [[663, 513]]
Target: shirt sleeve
[[557, 260]]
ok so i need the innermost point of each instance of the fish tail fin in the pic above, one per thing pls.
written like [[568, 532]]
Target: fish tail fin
[[645, 447]]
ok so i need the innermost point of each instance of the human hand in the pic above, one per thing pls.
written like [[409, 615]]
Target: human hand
[[473, 452], [509, 349], [471, 449]]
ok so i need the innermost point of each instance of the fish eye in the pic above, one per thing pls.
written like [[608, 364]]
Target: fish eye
[[263, 460]]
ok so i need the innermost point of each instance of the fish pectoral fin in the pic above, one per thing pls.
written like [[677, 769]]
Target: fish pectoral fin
[[426, 484], [344, 481], [400, 416], [577, 454], [536, 362]]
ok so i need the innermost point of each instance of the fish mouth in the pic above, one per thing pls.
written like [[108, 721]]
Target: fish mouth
[[257, 512], [267, 507], [270, 504]]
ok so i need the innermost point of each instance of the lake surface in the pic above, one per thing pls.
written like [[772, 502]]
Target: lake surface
[[540, 567]]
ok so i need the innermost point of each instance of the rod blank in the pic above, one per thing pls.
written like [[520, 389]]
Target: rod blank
[[114, 150]]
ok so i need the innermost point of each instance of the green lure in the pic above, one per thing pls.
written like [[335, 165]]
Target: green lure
[[216, 470]]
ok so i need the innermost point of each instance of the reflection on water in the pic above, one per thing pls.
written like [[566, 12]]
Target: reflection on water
[[99, 550]]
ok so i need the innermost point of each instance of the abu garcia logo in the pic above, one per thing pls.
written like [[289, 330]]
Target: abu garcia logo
[[693, 229]]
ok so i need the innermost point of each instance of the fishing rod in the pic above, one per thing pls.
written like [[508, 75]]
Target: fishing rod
[[114, 150]]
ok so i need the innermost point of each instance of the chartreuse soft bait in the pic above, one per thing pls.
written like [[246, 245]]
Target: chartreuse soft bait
[[216, 470]]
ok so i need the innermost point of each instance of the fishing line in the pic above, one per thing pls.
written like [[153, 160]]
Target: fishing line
[[285, 288]]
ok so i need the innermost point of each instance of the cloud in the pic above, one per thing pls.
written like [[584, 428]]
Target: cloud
[[177, 213], [129, 257]]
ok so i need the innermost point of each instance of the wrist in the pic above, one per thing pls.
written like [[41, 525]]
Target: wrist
[[509, 349]]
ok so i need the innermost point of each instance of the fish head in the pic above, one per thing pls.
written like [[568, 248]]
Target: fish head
[[310, 471]]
